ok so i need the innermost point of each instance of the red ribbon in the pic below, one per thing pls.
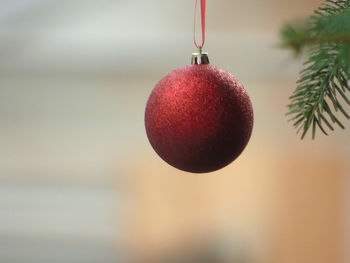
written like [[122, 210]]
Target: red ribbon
[[203, 13]]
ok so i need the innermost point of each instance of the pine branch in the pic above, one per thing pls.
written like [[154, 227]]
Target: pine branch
[[323, 88]]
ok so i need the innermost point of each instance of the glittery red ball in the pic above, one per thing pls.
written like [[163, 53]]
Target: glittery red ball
[[199, 118]]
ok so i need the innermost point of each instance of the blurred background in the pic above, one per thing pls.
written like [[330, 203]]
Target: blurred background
[[79, 181]]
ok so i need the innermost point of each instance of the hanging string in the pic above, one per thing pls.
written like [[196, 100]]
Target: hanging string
[[203, 13]]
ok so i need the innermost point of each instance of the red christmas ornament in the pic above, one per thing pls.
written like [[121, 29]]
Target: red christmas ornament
[[199, 118]]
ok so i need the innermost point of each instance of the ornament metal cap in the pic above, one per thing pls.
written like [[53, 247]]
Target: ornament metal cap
[[200, 58]]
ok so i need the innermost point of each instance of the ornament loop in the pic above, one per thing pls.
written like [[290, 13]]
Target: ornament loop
[[203, 16]]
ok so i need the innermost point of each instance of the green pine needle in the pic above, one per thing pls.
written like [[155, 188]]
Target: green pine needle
[[322, 90]]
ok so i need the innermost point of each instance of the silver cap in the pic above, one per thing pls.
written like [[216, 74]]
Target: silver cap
[[200, 58]]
